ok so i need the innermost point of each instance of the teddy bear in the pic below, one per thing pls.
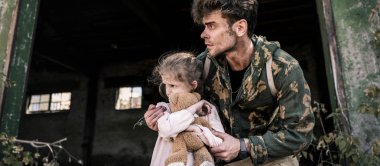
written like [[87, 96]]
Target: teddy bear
[[188, 141]]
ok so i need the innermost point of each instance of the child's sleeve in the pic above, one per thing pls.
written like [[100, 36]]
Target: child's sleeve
[[170, 124], [214, 120], [208, 138]]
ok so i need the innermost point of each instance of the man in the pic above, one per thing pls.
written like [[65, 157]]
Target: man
[[266, 113]]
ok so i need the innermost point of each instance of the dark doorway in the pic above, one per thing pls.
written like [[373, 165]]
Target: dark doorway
[[92, 48]]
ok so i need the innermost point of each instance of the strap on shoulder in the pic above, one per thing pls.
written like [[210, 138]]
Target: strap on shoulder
[[206, 68], [272, 88]]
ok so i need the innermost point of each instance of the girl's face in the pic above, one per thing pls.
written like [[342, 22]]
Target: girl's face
[[173, 86]]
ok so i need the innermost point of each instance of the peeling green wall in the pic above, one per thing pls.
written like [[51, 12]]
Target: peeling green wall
[[18, 67], [7, 9], [360, 57], [8, 14]]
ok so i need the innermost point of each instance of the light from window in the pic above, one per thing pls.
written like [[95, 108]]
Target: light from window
[[49, 103], [129, 98], [39, 102], [60, 101]]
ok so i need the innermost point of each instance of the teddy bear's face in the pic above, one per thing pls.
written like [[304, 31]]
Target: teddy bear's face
[[179, 101]]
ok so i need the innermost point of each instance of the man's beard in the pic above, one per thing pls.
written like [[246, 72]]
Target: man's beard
[[222, 54]]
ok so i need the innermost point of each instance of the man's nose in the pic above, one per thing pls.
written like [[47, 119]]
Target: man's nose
[[204, 34]]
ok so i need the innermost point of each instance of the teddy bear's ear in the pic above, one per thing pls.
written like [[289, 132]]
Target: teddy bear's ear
[[197, 95]]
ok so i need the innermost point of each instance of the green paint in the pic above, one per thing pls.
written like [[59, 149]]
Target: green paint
[[21, 52], [6, 10], [360, 60], [326, 53], [357, 54]]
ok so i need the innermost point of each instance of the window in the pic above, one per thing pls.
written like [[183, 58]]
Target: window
[[49, 103], [129, 98]]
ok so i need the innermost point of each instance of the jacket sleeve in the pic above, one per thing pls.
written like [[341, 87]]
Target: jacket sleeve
[[170, 124], [292, 129]]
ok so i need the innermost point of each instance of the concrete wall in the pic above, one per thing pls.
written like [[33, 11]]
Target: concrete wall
[[50, 127], [116, 142], [360, 60]]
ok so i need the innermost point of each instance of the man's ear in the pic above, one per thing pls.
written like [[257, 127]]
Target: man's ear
[[240, 27], [194, 84]]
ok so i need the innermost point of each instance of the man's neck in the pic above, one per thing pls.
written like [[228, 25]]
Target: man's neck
[[240, 57]]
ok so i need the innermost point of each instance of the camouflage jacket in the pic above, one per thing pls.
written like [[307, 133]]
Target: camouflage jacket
[[276, 126]]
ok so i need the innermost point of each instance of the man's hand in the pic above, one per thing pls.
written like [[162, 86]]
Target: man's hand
[[229, 149], [152, 115]]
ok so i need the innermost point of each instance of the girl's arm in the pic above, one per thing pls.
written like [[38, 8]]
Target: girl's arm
[[205, 133], [170, 124], [214, 119]]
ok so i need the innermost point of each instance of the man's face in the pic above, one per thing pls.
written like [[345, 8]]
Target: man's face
[[217, 34]]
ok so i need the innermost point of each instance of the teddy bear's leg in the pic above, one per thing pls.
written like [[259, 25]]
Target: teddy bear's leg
[[192, 141], [202, 157], [178, 156]]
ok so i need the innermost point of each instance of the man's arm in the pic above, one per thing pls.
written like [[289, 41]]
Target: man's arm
[[293, 128]]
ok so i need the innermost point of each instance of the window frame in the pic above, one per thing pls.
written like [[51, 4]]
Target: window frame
[[49, 110], [117, 95]]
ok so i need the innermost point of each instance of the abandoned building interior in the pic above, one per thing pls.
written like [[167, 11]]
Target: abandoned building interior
[[91, 60]]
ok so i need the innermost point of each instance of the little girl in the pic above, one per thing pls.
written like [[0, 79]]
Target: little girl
[[181, 72]]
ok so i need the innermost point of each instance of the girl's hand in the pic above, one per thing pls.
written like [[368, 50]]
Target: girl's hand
[[201, 108], [152, 115], [205, 109]]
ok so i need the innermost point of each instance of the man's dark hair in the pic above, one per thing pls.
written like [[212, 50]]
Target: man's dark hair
[[232, 10]]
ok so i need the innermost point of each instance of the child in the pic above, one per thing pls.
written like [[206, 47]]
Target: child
[[181, 72]]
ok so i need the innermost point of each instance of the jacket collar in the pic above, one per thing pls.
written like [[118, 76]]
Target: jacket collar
[[262, 51]]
